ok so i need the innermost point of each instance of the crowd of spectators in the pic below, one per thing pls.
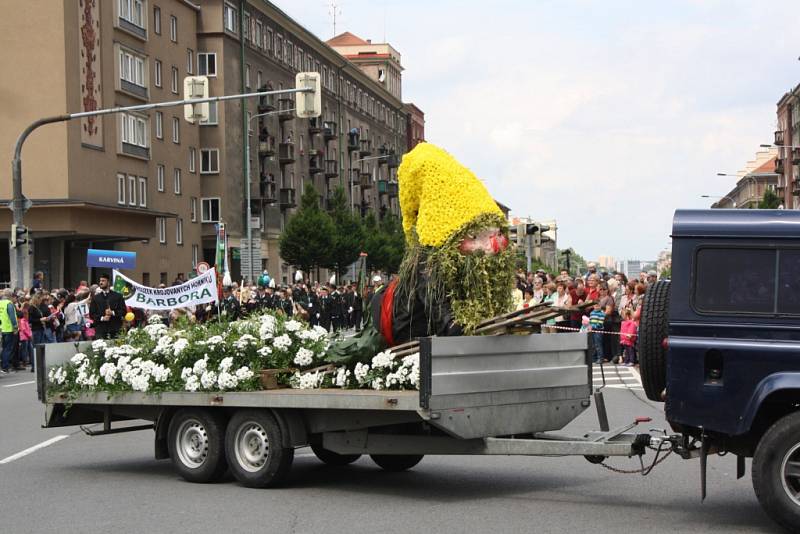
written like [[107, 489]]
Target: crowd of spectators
[[613, 318], [36, 316]]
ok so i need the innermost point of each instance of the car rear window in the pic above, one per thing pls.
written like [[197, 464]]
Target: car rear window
[[740, 280]]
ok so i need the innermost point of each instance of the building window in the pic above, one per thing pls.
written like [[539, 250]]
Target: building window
[[142, 192], [249, 123], [131, 69], [195, 255], [157, 71], [209, 210], [157, 20], [193, 209], [174, 85], [179, 231], [176, 177], [131, 190], [192, 159], [207, 63], [173, 28], [121, 189], [212, 115], [159, 125], [230, 18], [189, 61], [247, 75], [259, 79], [209, 160], [176, 130], [161, 227], [132, 11], [134, 130], [269, 40], [246, 26], [160, 178], [258, 37]]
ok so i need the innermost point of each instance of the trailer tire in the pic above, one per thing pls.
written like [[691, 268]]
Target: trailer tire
[[776, 472], [333, 458], [255, 451], [653, 329], [196, 441], [396, 462]]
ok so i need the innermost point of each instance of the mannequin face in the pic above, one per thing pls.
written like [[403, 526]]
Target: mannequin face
[[490, 241]]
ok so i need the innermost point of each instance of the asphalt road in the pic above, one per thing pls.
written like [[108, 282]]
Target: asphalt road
[[113, 484]]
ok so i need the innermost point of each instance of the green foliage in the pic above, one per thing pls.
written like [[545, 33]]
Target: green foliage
[[384, 243], [308, 238], [577, 263], [348, 238], [666, 273], [769, 201]]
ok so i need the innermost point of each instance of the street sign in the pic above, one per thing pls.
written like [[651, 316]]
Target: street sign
[[195, 87], [250, 256], [112, 259], [202, 267]]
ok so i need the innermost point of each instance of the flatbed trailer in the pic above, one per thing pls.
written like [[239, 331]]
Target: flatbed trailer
[[490, 395]]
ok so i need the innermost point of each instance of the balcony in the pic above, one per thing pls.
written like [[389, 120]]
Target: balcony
[[267, 190], [287, 198], [796, 156], [366, 148], [285, 153], [796, 188], [393, 189], [314, 164], [329, 130], [266, 145], [779, 137], [355, 177], [779, 166], [314, 126], [352, 142], [393, 161], [285, 109], [383, 187], [135, 150], [365, 181], [266, 103], [331, 168]]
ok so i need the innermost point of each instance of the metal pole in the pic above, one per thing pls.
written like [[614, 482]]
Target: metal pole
[[246, 138], [249, 215]]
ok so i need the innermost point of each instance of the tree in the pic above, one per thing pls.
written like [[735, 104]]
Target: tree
[[307, 239], [384, 242], [770, 200], [577, 264], [348, 236]]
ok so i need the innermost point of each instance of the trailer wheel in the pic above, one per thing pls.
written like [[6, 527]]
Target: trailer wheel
[[396, 463], [653, 330], [776, 472], [196, 445], [333, 458], [253, 444]]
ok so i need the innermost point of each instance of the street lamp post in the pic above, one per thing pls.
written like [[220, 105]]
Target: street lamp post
[[248, 195], [745, 177], [720, 198]]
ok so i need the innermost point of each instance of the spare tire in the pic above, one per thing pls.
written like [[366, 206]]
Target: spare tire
[[653, 329]]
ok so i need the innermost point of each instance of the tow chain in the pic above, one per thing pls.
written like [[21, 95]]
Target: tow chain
[[644, 471]]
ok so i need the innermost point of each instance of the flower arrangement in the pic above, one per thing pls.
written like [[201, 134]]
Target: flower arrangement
[[221, 356]]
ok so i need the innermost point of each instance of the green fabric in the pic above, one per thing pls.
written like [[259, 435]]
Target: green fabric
[[359, 348], [6, 324]]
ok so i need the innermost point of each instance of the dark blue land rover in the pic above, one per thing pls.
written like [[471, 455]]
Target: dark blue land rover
[[720, 345]]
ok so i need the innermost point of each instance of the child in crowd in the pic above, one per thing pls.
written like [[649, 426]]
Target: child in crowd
[[25, 336], [628, 333], [596, 319]]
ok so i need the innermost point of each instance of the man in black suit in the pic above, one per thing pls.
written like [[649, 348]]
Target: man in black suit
[[107, 310]]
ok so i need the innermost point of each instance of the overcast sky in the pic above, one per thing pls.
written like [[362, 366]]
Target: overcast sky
[[605, 115]]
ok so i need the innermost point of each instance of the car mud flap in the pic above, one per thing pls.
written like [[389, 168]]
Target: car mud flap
[[740, 467]]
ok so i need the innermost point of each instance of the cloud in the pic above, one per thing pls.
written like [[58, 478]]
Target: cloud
[[607, 116]]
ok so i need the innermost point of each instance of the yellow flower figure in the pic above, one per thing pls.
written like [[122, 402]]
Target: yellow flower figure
[[438, 195]]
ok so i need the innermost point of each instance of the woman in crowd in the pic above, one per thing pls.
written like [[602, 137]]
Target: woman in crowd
[[73, 319]]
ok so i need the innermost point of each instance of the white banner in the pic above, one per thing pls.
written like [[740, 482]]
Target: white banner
[[199, 290]]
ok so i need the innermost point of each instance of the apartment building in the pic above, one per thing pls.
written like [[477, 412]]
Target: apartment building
[[124, 181], [787, 163], [753, 181], [153, 183]]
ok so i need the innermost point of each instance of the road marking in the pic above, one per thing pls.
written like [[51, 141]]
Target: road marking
[[35, 448], [20, 384]]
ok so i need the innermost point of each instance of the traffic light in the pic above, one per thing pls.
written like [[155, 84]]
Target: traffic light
[[309, 104], [195, 87], [538, 238], [19, 235]]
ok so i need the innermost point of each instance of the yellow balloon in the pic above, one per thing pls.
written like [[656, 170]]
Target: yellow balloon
[[129, 317]]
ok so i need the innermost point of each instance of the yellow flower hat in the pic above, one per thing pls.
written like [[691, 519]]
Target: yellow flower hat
[[438, 195]]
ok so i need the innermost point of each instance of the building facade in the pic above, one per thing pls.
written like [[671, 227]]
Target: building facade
[[753, 181], [158, 185], [787, 162], [415, 130]]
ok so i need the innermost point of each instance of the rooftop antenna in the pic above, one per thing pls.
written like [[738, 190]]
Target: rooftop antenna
[[334, 10]]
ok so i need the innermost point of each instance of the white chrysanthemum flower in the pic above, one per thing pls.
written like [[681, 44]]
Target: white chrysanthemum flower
[[214, 340], [383, 360], [360, 373], [244, 373], [304, 357], [309, 380], [99, 345], [283, 342], [226, 380], [140, 382], [192, 383], [160, 373], [377, 383], [245, 341], [78, 359], [292, 326], [179, 346], [208, 379], [264, 351], [200, 366], [226, 363], [186, 373], [109, 372], [342, 377]]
